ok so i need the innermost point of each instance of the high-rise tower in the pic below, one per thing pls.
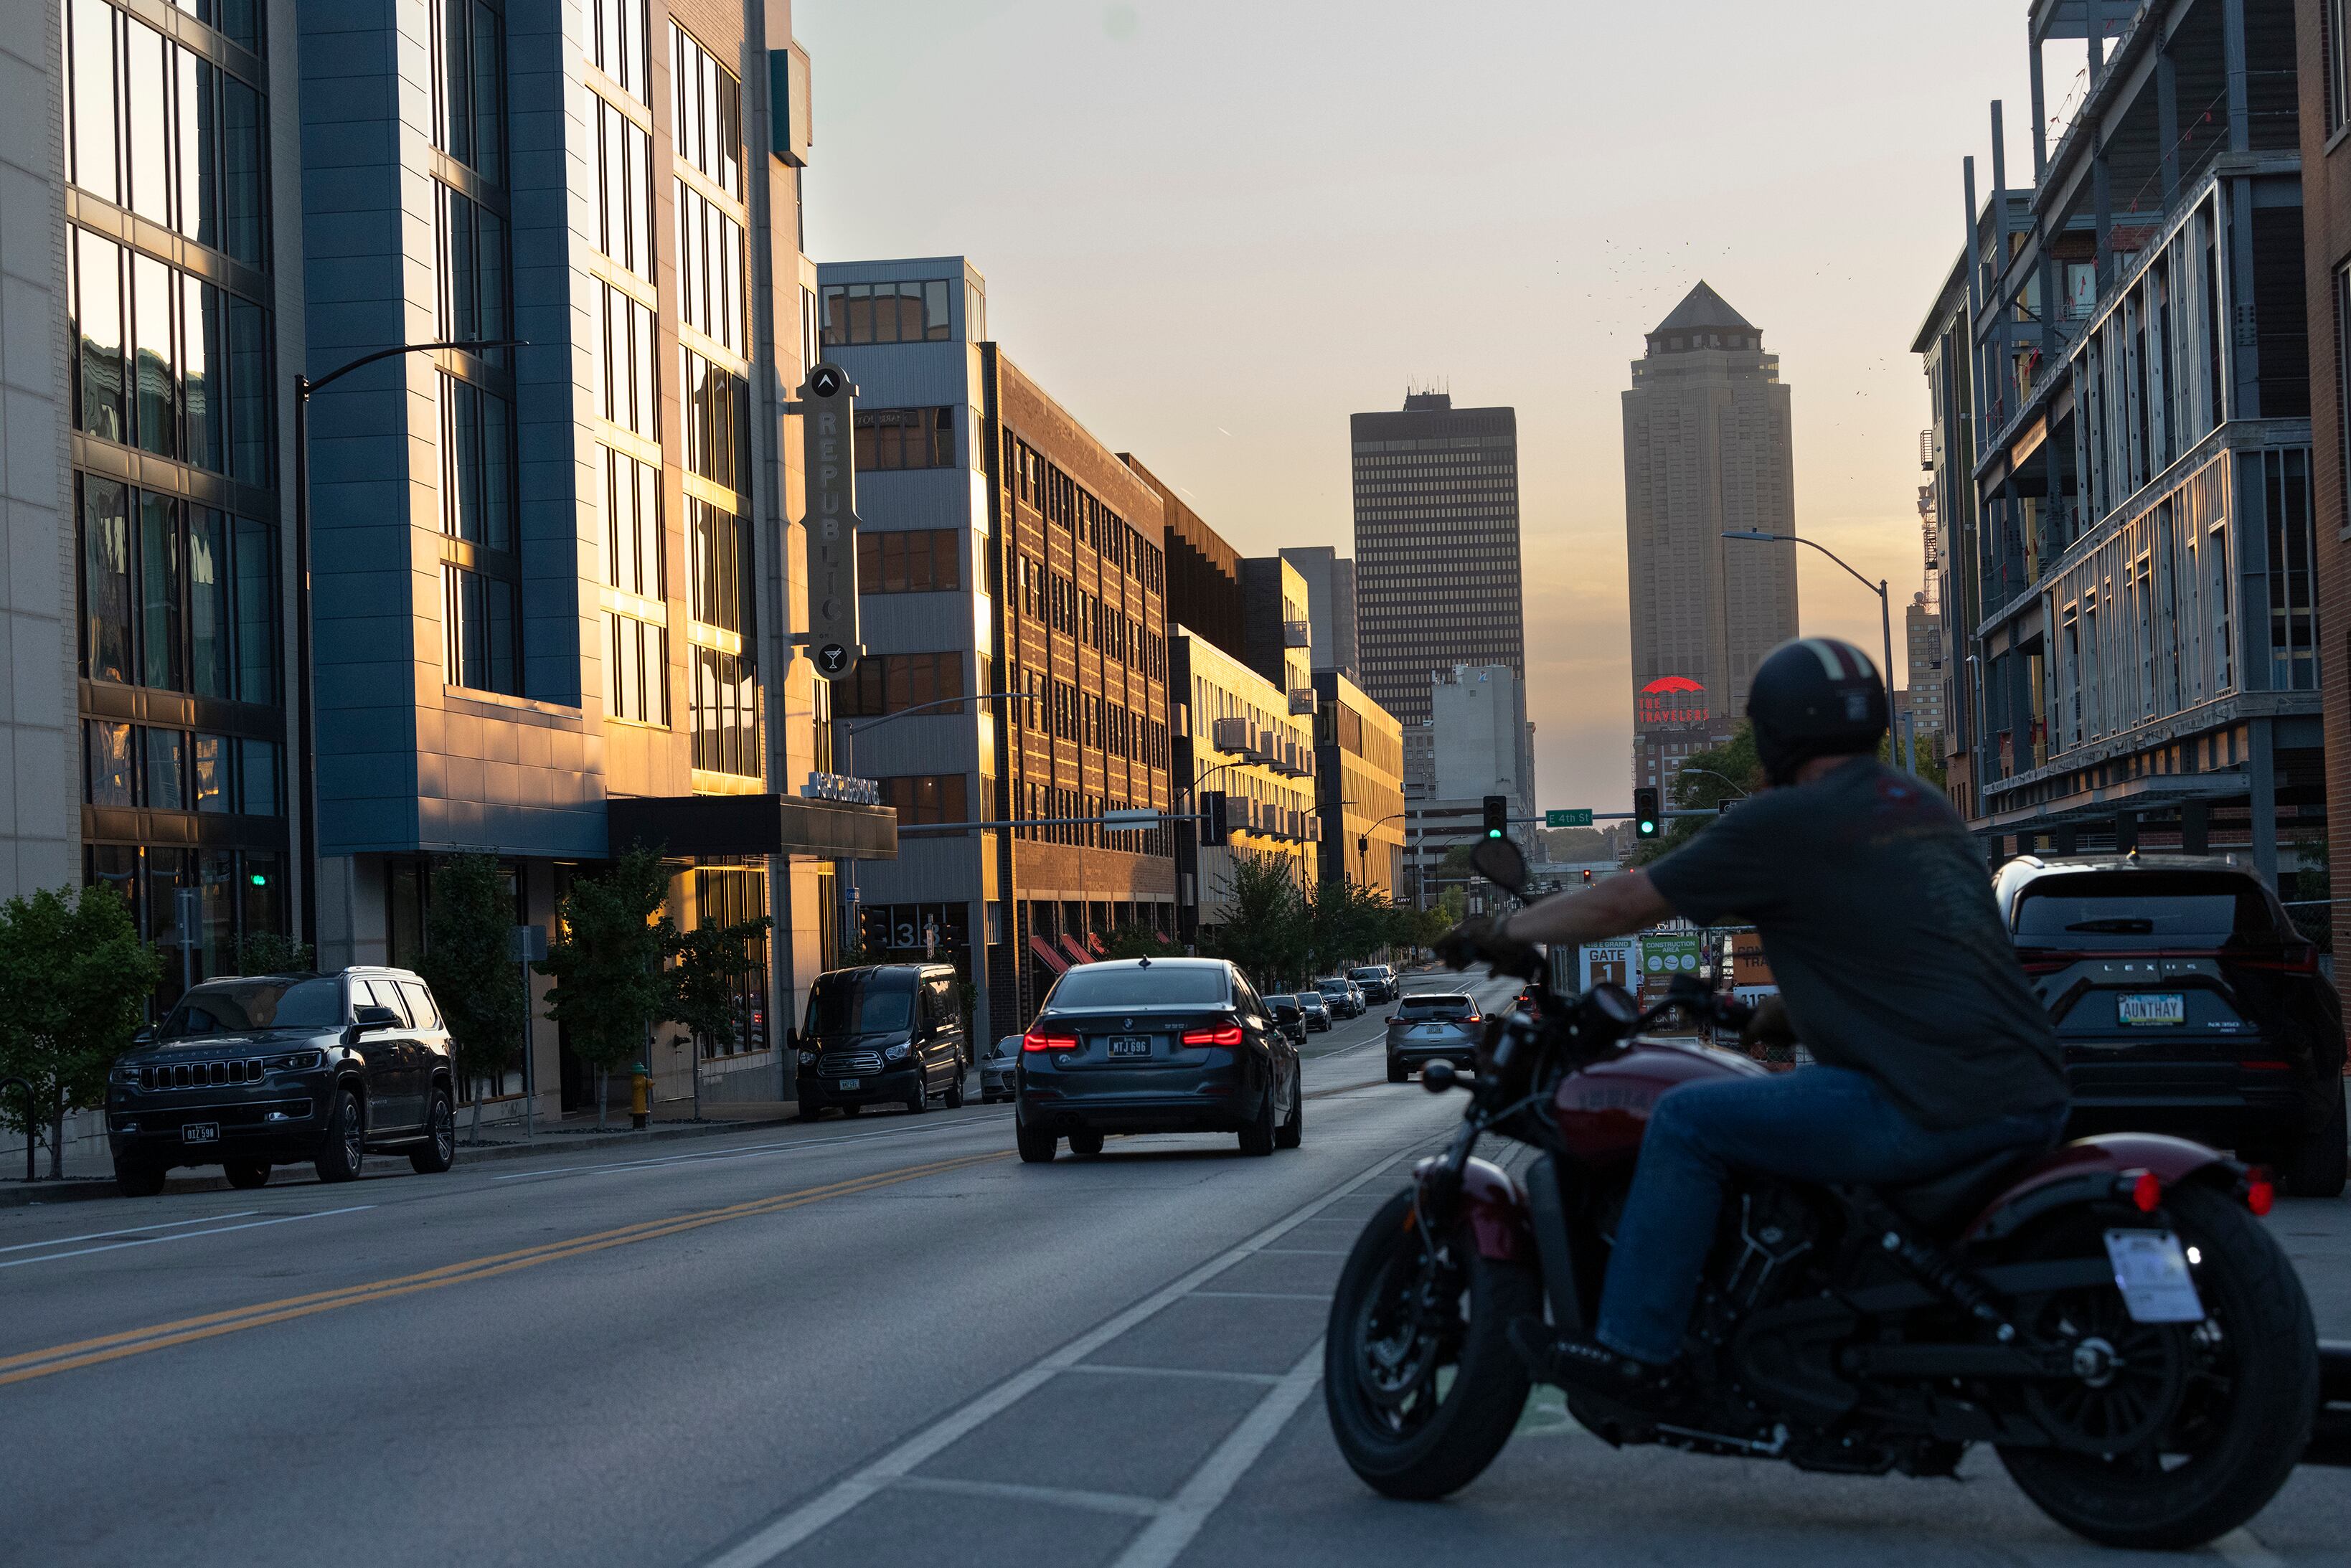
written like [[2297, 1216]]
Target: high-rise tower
[[1436, 553], [1706, 451]]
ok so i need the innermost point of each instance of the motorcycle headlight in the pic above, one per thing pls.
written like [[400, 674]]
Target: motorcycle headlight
[[808, 1059], [897, 1053]]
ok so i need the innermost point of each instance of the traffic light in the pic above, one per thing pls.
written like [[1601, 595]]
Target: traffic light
[[1213, 818], [1587, 876], [1646, 819], [1497, 816]]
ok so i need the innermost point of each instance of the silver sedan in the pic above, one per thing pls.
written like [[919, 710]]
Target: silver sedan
[[995, 1069]]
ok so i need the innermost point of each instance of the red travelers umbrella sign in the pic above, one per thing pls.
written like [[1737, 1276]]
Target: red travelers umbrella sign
[[1670, 699]]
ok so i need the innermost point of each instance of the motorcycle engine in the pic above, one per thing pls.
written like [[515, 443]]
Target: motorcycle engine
[[1773, 1229]]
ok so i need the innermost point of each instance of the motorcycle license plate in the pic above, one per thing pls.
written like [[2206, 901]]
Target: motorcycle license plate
[[200, 1133], [2152, 1009], [850, 1082], [1130, 1045], [2151, 1272]]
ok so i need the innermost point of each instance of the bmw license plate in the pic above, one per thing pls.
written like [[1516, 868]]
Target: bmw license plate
[[2155, 1008], [849, 1082], [1130, 1045], [2151, 1272], [200, 1133]]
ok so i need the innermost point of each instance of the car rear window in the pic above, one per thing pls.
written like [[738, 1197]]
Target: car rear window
[[1436, 1007], [1333, 987], [2121, 909], [1161, 986], [1372, 974]]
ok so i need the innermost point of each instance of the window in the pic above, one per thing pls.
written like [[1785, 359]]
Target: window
[[914, 311], [709, 269], [625, 204], [924, 797], [620, 43], [473, 260], [478, 625], [914, 560], [905, 438], [632, 526], [257, 768], [175, 595], [709, 112], [468, 76], [631, 397], [892, 683], [477, 466], [720, 548], [2342, 341], [2338, 78], [718, 422], [110, 773], [2293, 592], [162, 129], [636, 670], [725, 715]]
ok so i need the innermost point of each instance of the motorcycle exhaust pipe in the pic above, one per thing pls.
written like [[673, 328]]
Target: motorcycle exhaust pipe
[[2330, 1435]]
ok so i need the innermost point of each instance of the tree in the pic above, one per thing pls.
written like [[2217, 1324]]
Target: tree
[[1703, 783], [1346, 922], [77, 978], [1264, 928], [269, 953], [468, 963], [1567, 845], [1140, 941], [607, 965], [705, 980]]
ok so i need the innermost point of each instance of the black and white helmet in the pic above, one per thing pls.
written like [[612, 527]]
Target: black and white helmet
[[1816, 697]]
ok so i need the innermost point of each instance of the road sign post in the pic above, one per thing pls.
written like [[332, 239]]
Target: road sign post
[[526, 944]]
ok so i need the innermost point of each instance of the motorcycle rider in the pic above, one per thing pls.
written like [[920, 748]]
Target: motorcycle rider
[[1876, 916]]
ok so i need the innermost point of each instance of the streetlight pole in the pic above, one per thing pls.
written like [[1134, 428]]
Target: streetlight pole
[[1885, 612], [1712, 774], [305, 766]]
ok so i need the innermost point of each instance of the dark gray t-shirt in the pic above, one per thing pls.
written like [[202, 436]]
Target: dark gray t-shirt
[[1876, 916]]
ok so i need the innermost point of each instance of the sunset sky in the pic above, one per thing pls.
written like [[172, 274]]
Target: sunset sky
[[1216, 229]]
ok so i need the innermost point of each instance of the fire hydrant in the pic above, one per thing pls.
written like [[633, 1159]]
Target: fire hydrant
[[641, 1095]]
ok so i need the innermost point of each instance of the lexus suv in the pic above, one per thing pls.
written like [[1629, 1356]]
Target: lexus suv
[[2187, 1003], [1156, 1045], [266, 1070]]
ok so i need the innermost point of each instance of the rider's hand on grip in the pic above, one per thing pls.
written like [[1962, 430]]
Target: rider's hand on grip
[[1481, 940], [1767, 1025]]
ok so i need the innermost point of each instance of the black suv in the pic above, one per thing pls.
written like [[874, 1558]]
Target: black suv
[[267, 1069], [2187, 1003], [882, 1034]]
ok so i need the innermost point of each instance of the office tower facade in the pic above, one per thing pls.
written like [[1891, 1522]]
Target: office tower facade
[[1329, 606], [1706, 451], [1437, 572]]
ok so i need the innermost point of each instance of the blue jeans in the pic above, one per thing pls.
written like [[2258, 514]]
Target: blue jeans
[[1823, 1125]]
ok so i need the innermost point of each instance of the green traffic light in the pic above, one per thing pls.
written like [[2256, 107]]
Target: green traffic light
[[259, 881]]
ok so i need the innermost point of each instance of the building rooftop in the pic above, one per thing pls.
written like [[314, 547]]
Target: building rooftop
[[1703, 308]]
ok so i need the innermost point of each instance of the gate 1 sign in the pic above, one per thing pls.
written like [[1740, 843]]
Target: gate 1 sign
[[828, 415], [1609, 963]]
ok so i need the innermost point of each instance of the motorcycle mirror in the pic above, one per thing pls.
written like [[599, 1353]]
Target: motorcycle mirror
[[1613, 1003], [1501, 863], [1436, 1077]]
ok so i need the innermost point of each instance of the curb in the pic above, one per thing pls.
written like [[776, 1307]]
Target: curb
[[83, 1189]]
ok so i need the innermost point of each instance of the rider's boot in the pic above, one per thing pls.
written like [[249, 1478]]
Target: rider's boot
[[1585, 1365]]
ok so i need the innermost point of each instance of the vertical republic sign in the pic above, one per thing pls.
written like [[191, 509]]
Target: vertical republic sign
[[828, 411]]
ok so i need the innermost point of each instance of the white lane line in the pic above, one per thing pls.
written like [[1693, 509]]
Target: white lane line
[[2241, 1547], [130, 1230], [1263, 1295], [1013, 1491], [1165, 1537], [185, 1235], [772, 1540], [1111, 1369]]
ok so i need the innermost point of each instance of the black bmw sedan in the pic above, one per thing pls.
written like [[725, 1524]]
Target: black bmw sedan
[[1156, 1045]]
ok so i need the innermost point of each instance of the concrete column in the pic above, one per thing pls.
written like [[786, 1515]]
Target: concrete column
[[2065, 840], [2126, 831], [2195, 827], [2261, 785]]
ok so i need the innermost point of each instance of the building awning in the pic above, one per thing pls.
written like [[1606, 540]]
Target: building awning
[[714, 826], [1044, 951], [1070, 946]]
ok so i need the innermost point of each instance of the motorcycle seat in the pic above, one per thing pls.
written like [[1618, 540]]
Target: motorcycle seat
[[1941, 1204]]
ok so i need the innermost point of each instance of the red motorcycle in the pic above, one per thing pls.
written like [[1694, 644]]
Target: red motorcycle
[[2110, 1316]]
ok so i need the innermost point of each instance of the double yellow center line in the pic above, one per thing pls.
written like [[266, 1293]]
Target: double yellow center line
[[31, 1364]]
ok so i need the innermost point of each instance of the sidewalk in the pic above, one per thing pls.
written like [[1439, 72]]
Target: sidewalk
[[90, 1174]]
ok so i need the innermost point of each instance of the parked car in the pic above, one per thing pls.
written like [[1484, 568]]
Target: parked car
[[1317, 1009], [1344, 996], [881, 1034], [1289, 1016], [2187, 1003], [1378, 980], [1156, 1045], [259, 1070], [997, 1069], [1431, 1026]]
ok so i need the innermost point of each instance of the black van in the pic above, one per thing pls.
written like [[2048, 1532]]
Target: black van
[[882, 1034]]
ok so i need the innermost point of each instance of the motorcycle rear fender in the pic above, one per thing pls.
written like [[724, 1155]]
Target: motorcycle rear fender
[[1496, 1206], [2087, 1169]]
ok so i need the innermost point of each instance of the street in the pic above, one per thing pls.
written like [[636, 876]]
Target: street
[[877, 1340]]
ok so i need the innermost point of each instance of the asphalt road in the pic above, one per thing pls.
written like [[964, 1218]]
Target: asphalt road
[[882, 1341]]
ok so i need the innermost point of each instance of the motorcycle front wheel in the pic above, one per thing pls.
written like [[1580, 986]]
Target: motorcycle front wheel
[[1418, 1375], [2207, 1419]]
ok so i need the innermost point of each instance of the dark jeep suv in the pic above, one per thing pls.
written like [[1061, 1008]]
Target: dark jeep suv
[[2187, 1003], [266, 1070]]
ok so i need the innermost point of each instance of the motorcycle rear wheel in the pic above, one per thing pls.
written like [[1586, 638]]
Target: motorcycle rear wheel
[[2242, 1421], [1406, 1427]]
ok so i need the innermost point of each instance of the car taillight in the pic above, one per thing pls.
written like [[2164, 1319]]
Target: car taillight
[[2293, 961], [1033, 1041], [2260, 1194], [2039, 961], [1229, 1037]]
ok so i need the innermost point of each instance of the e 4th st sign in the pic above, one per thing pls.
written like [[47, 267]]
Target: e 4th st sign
[[828, 411]]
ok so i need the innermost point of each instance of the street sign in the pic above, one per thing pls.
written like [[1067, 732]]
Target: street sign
[[527, 943], [1571, 819], [1129, 818], [827, 410]]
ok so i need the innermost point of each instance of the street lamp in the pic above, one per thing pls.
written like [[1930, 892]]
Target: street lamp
[[305, 749], [1885, 614], [1712, 774]]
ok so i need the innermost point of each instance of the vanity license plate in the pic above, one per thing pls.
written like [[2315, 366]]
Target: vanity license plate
[[2152, 1007]]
